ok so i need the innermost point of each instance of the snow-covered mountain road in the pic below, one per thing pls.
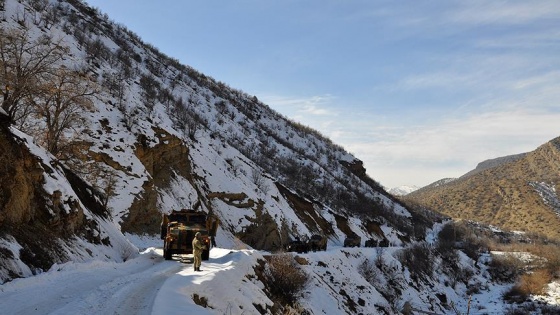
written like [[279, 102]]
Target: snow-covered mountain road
[[146, 284], [96, 287]]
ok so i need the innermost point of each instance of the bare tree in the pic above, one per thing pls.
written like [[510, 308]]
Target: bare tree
[[60, 102], [116, 84], [186, 119], [108, 186], [23, 66], [260, 181], [150, 88]]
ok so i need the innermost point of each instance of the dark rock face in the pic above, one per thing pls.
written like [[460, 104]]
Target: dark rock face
[[170, 156], [39, 221]]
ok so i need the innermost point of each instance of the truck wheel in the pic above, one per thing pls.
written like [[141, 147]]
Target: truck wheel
[[205, 254], [166, 252], [163, 232]]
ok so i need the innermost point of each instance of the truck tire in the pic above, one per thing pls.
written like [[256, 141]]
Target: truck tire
[[166, 252], [205, 254], [163, 232]]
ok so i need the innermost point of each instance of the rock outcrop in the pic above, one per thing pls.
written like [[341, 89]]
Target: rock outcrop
[[164, 161], [40, 221]]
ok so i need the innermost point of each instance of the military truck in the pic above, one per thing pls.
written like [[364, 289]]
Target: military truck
[[297, 246], [352, 241], [179, 227], [317, 242], [376, 243]]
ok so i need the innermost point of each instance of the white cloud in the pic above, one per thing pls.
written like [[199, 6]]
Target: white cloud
[[438, 79], [503, 12], [483, 70], [294, 107], [419, 155]]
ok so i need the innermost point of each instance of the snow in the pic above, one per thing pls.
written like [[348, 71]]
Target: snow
[[224, 281], [130, 276], [553, 294], [17, 265], [547, 191], [403, 190], [146, 284]]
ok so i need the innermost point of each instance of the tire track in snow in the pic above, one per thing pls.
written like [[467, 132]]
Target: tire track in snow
[[96, 288]]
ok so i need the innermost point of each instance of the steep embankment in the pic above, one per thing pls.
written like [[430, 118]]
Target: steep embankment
[[158, 136], [339, 281], [47, 214], [518, 195]]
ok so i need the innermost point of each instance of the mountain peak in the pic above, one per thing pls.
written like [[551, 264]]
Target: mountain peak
[[516, 192], [403, 190]]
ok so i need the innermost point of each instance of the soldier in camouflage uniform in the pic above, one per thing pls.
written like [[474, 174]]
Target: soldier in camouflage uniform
[[198, 247]]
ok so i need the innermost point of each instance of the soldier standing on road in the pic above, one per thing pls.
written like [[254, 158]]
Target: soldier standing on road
[[198, 247]]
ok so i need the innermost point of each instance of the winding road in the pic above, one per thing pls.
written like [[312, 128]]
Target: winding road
[[92, 288]]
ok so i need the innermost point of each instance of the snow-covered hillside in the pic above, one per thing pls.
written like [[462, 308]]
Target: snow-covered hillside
[[166, 137], [228, 284], [403, 190], [160, 136]]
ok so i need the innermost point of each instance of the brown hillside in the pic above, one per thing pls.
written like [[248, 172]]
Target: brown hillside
[[504, 196]]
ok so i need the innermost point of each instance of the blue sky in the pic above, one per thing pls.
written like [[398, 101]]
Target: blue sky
[[418, 90]]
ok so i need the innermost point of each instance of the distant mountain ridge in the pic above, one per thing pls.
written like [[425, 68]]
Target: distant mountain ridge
[[517, 192], [402, 190], [491, 163]]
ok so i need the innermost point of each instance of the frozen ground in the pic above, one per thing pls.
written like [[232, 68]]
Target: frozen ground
[[143, 285], [148, 284]]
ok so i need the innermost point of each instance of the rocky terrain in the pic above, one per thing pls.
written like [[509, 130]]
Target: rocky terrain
[[517, 193], [149, 136], [102, 133]]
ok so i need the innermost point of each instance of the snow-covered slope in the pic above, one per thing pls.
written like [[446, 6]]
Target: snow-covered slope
[[403, 190], [161, 136], [76, 230], [342, 281]]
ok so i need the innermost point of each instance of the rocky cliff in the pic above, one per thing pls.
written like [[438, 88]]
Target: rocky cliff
[[47, 214]]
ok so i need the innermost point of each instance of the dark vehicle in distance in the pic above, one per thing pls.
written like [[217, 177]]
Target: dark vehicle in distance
[[377, 243], [352, 241], [317, 242], [297, 246]]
